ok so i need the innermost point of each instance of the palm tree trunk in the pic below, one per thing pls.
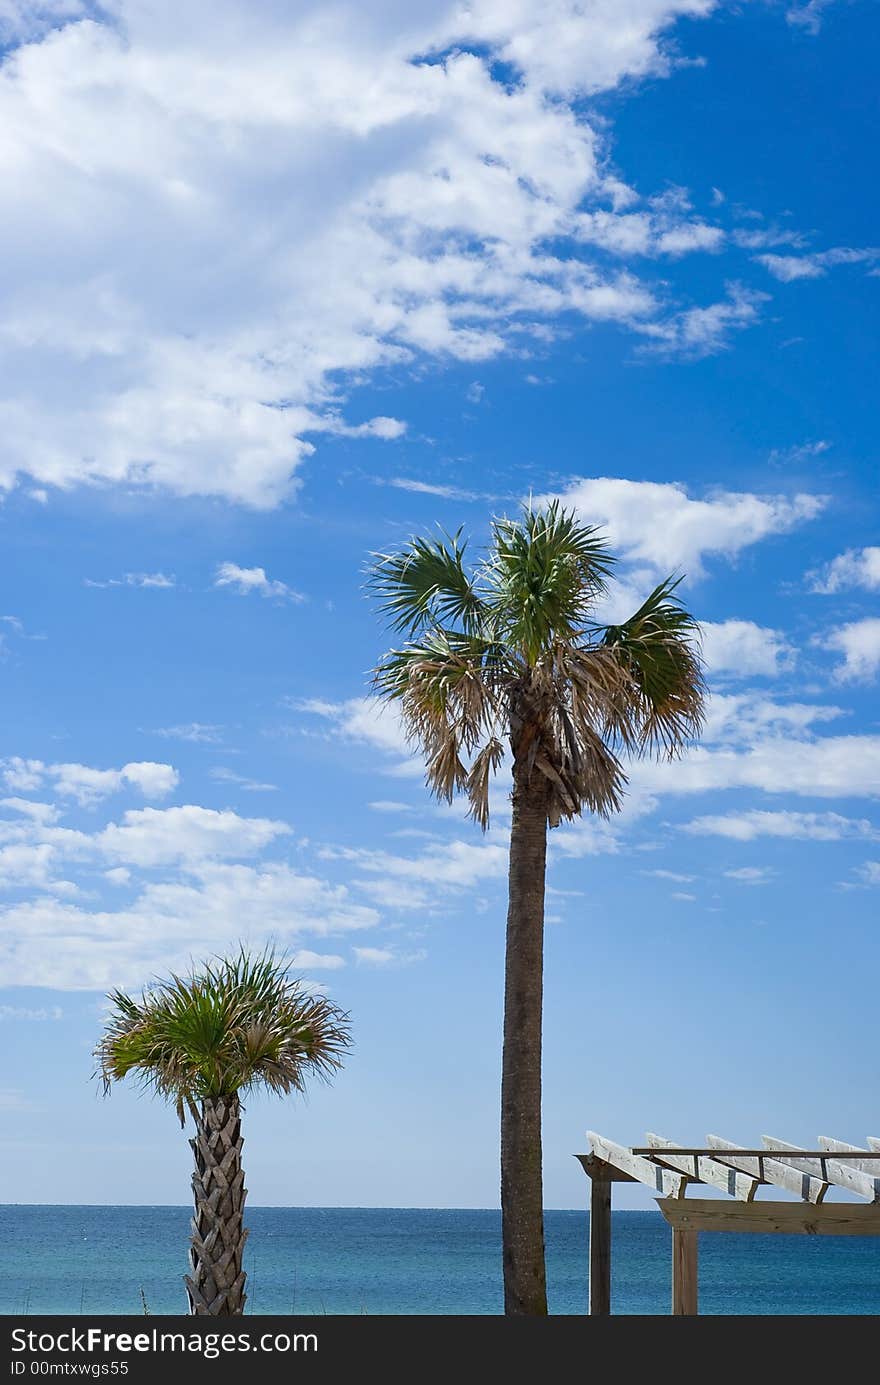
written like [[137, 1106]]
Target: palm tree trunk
[[216, 1285], [522, 1210]]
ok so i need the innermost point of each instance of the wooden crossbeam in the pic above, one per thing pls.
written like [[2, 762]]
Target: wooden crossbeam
[[867, 1165], [704, 1169], [648, 1151], [601, 1171], [760, 1165], [833, 1171], [794, 1218], [663, 1181]]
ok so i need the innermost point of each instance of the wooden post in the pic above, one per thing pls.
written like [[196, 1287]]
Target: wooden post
[[600, 1247], [684, 1273]]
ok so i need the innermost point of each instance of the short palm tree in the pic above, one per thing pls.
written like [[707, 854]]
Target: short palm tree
[[202, 1042], [509, 655]]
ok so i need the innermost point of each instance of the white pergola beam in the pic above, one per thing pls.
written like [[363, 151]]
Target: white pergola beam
[[805, 1186], [664, 1182], [704, 1169], [870, 1167], [835, 1171]]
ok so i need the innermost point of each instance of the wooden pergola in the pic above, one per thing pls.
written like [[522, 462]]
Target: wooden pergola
[[669, 1170]]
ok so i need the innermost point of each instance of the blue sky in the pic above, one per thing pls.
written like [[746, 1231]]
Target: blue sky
[[283, 288]]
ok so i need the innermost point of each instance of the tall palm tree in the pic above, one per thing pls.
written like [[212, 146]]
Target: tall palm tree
[[509, 654], [202, 1042]]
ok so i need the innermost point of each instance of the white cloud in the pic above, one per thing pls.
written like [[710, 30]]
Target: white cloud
[[388, 429], [388, 805], [162, 836], [697, 332], [570, 49], [24, 866], [26, 775], [857, 567], [405, 483], [25, 20], [44, 813], [675, 876], [799, 453], [13, 1099], [317, 961], [369, 721], [394, 894], [50, 943], [660, 525], [157, 580], [788, 268], [750, 875], [16, 625], [373, 956], [626, 592], [765, 237], [744, 718], [198, 732], [214, 227], [455, 864], [859, 643], [32, 847], [815, 827], [807, 14], [27, 1015], [695, 235], [228, 776], [870, 872], [201, 897], [659, 231], [827, 767], [386, 956], [741, 649], [587, 836], [246, 580], [88, 785]]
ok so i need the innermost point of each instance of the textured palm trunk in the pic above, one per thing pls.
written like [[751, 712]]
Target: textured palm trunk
[[522, 1210], [216, 1285]]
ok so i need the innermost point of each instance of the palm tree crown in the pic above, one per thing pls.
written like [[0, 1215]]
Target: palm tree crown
[[240, 1023], [512, 650]]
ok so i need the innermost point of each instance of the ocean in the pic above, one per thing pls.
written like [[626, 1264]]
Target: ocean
[[315, 1260]]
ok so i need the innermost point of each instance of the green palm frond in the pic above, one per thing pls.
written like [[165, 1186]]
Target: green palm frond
[[238, 1024], [546, 571], [660, 647], [426, 583]]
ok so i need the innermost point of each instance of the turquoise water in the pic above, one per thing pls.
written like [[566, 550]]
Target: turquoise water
[[344, 1260]]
